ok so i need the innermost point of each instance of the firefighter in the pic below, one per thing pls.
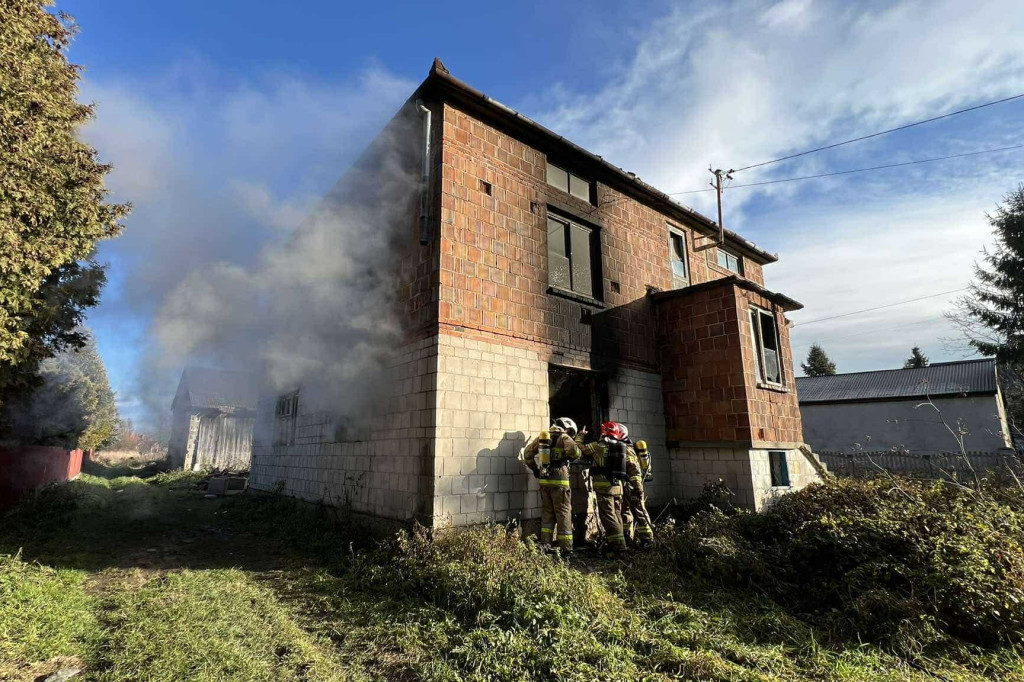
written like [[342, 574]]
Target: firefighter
[[636, 498], [608, 469], [548, 457]]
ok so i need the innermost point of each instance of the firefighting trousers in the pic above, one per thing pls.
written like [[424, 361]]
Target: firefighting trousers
[[636, 502], [608, 509], [556, 515]]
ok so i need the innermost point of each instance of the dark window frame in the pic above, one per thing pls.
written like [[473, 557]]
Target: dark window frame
[[594, 242], [286, 412], [762, 358], [778, 468]]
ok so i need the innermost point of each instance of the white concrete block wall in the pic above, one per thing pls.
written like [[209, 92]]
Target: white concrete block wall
[[491, 400], [384, 469], [693, 467], [801, 472], [635, 399]]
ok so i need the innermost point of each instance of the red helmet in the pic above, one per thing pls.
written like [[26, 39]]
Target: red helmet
[[613, 430]]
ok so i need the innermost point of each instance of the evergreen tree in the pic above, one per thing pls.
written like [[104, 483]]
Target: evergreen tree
[[818, 363], [991, 316], [53, 206], [916, 360], [73, 407]]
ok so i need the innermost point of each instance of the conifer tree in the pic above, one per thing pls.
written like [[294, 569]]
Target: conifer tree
[[53, 203], [818, 363], [916, 360], [991, 316]]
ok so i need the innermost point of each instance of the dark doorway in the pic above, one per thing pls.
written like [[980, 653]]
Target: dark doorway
[[583, 397], [578, 394]]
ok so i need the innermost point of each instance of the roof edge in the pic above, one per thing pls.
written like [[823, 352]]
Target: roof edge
[[788, 304], [440, 77], [900, 369]]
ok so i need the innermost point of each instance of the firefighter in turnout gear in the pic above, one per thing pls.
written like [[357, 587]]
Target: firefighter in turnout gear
[[636, 499], [608, 457], [548, 457]]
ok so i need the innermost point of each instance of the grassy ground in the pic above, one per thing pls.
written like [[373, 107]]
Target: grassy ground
[[139, 577]]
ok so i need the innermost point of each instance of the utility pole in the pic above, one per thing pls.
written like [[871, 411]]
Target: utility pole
[[720, 177]]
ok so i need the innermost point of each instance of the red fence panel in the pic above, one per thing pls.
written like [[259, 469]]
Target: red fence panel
[[26, 468]]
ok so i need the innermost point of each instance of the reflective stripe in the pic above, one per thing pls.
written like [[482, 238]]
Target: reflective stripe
[[616, 536], [644, 530], [562, 536], [634, 479], [554, 482], [546, 530], [602, 484]]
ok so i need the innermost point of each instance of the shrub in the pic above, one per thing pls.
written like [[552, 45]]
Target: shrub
[[909, 566]]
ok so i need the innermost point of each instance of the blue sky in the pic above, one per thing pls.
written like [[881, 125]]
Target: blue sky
[[225, 120]]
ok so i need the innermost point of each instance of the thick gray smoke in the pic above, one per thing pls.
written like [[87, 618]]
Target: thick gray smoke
[[315, 311]]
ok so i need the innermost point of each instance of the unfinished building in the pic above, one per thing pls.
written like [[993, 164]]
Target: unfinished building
[[537, 280]]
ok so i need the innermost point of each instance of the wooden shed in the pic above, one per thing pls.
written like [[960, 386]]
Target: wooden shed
[[213, 415]]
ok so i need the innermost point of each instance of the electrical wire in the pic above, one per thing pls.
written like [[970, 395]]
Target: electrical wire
[[855, 170], [880, 307], [884, 132]]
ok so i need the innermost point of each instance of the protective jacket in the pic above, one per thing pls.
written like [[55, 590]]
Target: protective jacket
[[555, 496], [563, 450], [597, 453]]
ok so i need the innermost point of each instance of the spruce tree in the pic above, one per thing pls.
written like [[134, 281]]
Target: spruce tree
[[818, 363], [991, 316], [916, 360]]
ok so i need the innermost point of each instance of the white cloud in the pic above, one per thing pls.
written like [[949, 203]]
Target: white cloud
[[737, 84]]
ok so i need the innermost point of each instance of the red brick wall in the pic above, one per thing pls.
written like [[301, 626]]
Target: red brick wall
[[774, 413], [494, 278], [702, 367], [709, 377]]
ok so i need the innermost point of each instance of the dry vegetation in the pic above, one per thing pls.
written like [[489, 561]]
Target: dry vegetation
[[143, 578]]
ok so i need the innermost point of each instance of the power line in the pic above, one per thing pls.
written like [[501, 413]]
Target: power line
[[930, 320], [855, 170], [884, 132], [880, 307]]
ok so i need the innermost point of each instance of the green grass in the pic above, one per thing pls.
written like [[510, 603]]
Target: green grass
[[145, 579]]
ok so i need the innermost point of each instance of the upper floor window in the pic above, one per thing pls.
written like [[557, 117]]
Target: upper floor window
[[677, 256], [730, 261], [572, 253], [767, 348], [568, 182]]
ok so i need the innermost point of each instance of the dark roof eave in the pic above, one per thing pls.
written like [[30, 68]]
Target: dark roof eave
[[441, 79], [941, 395], [787, 303]]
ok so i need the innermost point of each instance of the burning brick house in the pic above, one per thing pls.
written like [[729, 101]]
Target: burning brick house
[[535, 280]]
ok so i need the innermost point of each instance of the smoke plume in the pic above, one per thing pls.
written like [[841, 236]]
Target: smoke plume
[[316, 308]]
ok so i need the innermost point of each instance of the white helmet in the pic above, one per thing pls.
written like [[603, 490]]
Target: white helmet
[[565, 424], [625, 431]]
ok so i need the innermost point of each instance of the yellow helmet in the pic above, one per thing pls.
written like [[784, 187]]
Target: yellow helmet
[[641, 445]]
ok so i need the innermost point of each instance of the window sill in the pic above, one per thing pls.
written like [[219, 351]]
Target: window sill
[[573, 296], [777, 388]]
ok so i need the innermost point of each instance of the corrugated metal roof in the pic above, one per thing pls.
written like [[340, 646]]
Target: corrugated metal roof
[[217, 388], [941, 378]]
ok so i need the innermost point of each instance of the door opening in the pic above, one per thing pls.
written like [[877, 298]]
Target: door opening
[[583, 397], [578, 394]]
